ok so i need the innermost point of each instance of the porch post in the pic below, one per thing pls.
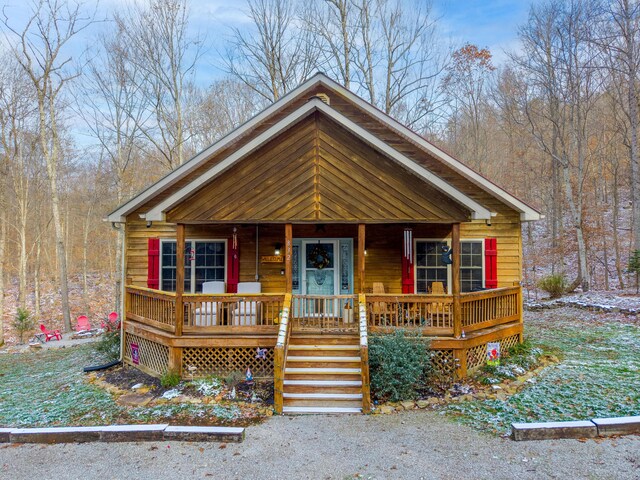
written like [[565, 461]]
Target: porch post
[[455, 279], [361, 244], [288, 253], [180, 247]]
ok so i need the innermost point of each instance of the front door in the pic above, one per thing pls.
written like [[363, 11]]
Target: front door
[[320, 267]]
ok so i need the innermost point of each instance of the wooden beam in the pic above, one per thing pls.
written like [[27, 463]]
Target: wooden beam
[[180, 248], [455, 279], [361, 245], [288, 255]]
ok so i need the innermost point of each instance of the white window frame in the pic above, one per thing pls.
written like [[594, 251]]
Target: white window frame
[[193, 269], [447, 240]]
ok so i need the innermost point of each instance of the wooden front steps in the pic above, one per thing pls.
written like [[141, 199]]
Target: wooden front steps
[[322, 375]]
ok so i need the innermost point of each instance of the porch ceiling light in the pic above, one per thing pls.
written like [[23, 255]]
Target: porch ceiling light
[[277, 249]]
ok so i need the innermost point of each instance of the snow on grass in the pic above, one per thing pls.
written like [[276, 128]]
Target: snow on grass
[[597, 376], [48, 388]]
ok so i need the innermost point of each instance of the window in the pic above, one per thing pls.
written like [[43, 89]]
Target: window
[[471, 271], [204, 261], [430, 268], [429, 265]]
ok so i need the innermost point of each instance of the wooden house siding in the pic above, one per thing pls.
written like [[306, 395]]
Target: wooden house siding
[[362, 118], [384, 248], [317, 171]]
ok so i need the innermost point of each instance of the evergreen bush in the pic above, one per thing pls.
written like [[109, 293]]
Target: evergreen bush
[[555, 285], [170, 379], [109, 345], [398, 365], [23, 322]]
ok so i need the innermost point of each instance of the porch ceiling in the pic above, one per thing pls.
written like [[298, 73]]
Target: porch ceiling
[[317, 171]]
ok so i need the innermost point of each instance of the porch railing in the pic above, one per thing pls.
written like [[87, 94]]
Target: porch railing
[[152, 307], [431, 313], [280, 355], [220, 312], [226, 313], [324, 312], [490, 308]]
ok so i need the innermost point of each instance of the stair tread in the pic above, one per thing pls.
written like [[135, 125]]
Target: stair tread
[[321, 370], [287, 409], [324, 396], [325, 383], [323, 347], [296, 358]]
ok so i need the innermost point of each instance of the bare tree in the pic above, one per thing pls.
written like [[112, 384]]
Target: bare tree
[[334, 26], [618, 36], [38, 47], [218, 109], [562, 86], [114, 108], [276, 56], [158, 43], [467, 83], [399, 59]]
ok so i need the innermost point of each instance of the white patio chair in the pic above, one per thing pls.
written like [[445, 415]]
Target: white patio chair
[[207, 314], [249, 311]]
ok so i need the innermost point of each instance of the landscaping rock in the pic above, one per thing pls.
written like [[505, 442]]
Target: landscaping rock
[[408, 405], [617, 426], [55, 435], [422, 403], [205, 434], [553, 430], [385, 409], [135, 399], [133, 433]]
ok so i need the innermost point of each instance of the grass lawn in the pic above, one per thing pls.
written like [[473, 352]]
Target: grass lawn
[[48, 388], [598, 375]]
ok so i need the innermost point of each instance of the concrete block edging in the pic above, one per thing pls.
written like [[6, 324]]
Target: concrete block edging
[[575, 429], [121, 433]]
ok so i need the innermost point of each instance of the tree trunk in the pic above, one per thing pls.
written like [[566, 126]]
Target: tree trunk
[[3, 240], [616, 222], [51, 159]]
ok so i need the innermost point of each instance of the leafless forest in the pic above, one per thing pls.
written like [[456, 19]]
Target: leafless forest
[[85, 125]]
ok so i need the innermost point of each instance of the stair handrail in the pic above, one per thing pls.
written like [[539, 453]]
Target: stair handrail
[[280, 355], [364, 354]]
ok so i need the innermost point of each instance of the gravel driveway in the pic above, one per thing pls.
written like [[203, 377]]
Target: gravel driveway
[[411, 445]]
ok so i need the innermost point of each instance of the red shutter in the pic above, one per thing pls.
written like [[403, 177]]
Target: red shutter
[[233, 263], [153, 263], [490, 263], [407, 262]]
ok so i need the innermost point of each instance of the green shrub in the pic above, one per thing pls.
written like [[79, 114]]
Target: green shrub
[[397, 364], [170, 379], [554, 285], [23, 322], [109, 345], [234, 379]]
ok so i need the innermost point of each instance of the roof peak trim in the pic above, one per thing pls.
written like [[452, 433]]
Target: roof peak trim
[[157, 213]]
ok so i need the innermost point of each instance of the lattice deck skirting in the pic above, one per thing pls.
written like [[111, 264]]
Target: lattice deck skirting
[[477, 356], [202, 361], [153, 356], [444, 362]]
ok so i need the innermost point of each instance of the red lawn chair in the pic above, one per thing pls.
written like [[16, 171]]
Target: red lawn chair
[[83, 324], [49, 335], [112, 324]]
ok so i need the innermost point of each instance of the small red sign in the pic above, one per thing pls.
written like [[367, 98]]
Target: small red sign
[[135, 353]]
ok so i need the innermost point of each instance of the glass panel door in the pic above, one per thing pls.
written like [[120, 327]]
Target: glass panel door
[[320, 276]]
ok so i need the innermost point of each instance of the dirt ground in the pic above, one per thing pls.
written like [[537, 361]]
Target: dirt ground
[[411, 445]]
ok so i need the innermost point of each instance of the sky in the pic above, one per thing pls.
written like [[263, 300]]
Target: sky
[[487, 23]]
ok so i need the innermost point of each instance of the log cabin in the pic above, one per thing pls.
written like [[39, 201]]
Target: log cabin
[[316, 223]]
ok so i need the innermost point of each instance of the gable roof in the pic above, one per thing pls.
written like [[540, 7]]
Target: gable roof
[[201, 178]]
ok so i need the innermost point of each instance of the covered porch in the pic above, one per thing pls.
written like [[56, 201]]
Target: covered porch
[[198, 334]]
